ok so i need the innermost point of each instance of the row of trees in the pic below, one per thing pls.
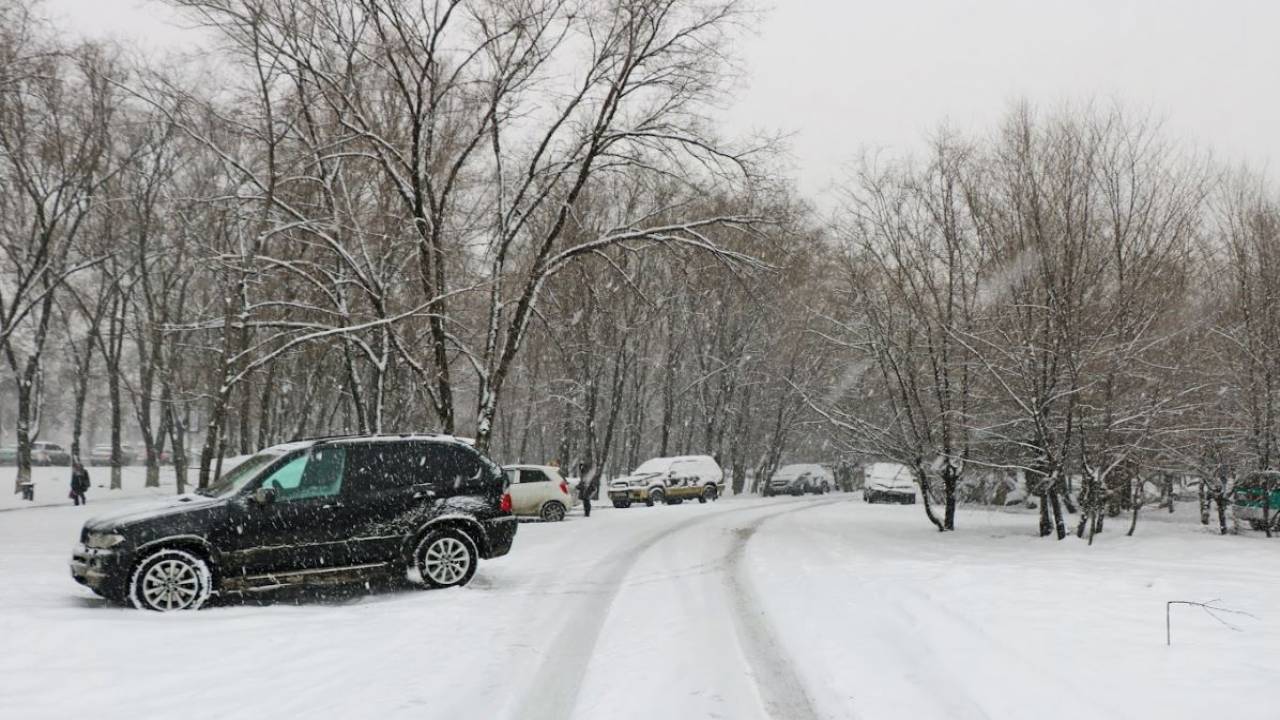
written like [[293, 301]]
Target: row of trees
[[515, 221], [391, 216], [1072, 299]]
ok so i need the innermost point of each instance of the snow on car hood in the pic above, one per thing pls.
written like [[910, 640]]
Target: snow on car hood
[[890, 476], [636, 479], [788, 473], [148, 511]]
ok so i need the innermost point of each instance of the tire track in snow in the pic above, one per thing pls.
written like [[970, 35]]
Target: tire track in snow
[[554, 688], [772, 670]]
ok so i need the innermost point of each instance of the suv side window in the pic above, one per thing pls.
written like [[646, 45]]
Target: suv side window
[[385, 467], [455, 470], [315, 474]]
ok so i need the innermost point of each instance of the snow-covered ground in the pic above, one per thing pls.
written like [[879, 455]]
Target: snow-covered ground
[[52, 484], [745, 608]]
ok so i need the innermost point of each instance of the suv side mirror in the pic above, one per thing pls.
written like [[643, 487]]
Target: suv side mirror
[[264, 496]]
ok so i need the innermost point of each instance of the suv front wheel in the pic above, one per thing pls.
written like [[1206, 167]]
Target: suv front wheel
[[169, 580], [446, 558]]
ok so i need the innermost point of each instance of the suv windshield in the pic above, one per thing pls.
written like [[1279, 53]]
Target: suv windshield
[[233, 481]]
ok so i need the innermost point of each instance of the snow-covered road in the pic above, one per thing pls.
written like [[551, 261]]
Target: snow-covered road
[[783, 608]]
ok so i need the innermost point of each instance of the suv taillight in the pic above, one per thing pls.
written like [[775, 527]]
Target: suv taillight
[[506, 503], [564, 486]]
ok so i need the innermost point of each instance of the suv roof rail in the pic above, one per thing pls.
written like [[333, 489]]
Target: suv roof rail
[[346, 436], [324, 438]]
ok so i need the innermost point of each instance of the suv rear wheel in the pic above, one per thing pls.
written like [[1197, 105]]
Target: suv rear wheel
[[446, 558], [655, 497], [169, 580]]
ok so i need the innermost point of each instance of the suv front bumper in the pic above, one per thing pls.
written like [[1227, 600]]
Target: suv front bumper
[[99, 570]]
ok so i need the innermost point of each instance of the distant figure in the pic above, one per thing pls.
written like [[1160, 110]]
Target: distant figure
[[586, 488], [79, 483]]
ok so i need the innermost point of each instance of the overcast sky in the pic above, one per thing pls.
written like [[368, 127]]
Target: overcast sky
[[843, 75]]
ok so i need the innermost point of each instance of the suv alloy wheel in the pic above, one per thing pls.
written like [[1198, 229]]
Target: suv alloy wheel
[[169, 580], [446, 558]]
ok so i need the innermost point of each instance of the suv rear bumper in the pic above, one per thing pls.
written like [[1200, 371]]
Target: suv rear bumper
[[501, 532]]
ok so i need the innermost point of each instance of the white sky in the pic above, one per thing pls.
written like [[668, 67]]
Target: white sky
[[840, 76]]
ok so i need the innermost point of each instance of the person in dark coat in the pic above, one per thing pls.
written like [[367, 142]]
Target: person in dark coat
[[586, 488], [79, 483]]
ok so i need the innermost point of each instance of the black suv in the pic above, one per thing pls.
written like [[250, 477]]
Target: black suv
[[335, 510]]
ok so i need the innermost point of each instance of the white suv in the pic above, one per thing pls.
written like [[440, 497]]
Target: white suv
[[539, 491], [670, 480]]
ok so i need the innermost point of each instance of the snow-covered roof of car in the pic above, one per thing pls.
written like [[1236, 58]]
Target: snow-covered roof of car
[[798, 469], [289, 447], [702, 463], [889, 475]]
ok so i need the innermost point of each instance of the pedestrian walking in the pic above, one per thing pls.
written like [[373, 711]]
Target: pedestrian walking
[[586, 488], [79, 483]]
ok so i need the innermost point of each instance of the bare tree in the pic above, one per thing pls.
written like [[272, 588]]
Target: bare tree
[[56, 110]]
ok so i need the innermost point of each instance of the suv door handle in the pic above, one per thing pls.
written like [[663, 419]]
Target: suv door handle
[[331, 506], [423, 490]]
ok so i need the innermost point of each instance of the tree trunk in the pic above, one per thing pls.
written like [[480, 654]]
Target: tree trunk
[[265, 429], [24, 431], [922, 479], [950, 480], [212, 438], [1055, 498], [1204, 503], [1136, 502], [113, 394], [1046, 525], [178, 439], [244, 423], [1222, 511]]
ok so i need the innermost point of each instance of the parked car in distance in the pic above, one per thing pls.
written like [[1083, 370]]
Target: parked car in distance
[[538, 491], [1257, 500], [889, 483], [101, 455], [324, 511], [800, 479], [8, 456], [669, 480], [47, 453]]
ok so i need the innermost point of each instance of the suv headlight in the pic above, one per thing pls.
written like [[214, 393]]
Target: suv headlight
[[102, 541]]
